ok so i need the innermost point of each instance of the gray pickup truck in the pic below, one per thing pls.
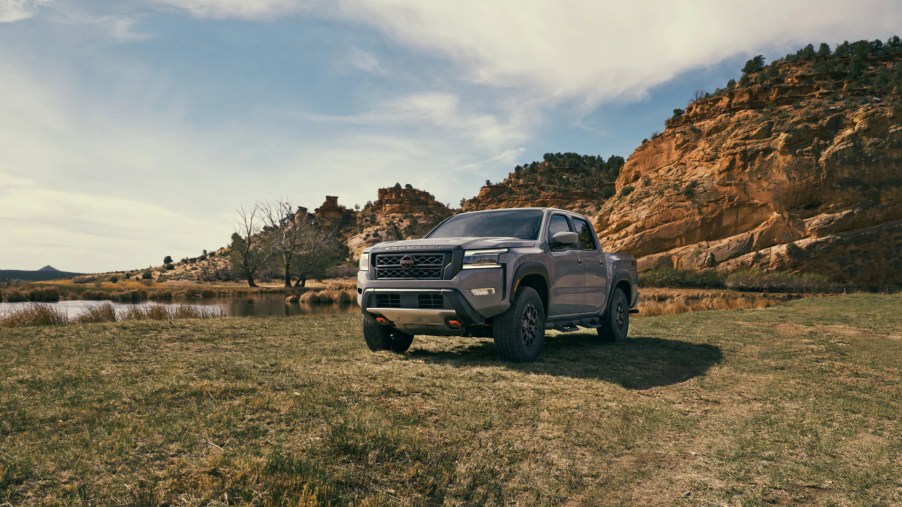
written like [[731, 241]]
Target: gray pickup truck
[[508, 274]]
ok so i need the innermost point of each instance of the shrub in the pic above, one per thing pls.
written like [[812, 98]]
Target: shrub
[[682, 278], [147, 275], [33, 315], [114, 279], [689, 190], [167, 259], [97, 313], [42, 295], [753, 65], [779, 281], [15, 296], [133, 313], [627, 190], [156, 312]]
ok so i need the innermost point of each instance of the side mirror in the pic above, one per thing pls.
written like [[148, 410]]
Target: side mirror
[[564, 238]]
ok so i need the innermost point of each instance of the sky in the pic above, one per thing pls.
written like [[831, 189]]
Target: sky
[[132, 130]]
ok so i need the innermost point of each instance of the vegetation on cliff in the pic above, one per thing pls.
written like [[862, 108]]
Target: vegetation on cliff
[[580, 182]]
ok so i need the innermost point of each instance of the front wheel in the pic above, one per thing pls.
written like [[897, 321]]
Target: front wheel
[[615, 322], [379, 337], [519, 332]]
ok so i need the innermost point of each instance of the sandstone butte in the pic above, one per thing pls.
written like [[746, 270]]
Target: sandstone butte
[[799, 173]]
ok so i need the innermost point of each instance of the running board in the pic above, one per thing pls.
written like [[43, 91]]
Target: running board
[[570, 326]]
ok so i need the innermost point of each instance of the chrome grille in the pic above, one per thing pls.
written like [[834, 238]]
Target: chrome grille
[[411, 266]]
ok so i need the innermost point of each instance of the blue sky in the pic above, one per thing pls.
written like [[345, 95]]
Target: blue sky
[[132, 130]]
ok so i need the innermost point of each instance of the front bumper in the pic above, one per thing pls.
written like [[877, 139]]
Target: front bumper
[[399, 301]]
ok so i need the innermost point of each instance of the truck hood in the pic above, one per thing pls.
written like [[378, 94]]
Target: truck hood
[[450, 243]]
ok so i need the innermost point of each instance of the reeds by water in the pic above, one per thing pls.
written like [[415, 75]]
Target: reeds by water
[[38, 314]]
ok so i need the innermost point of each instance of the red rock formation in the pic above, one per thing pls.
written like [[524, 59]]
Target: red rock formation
[[398, 213], [801, 173]]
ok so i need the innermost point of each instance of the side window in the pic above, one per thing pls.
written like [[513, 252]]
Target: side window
[[558, 224], [586, 237]]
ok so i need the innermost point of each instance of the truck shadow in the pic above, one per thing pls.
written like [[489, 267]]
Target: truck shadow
[[636, 363]]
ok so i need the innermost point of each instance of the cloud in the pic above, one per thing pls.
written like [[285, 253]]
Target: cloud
[[17, 10], [590, 52], [59, 227], [362, 60], [599, 51], [245, 9], [442, 113], [121, 29], [105, 181]]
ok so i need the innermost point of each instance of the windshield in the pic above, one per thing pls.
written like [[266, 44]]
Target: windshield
[[522, 224]]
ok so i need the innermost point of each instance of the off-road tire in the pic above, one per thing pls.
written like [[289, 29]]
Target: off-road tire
[[380, 337], [519, 332], [615, 321]]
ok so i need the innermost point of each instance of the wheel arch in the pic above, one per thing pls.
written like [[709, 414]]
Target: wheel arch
[[534, 275], [622, 281]]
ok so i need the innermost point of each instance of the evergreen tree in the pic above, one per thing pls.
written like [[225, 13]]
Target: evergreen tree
[[753, 65]]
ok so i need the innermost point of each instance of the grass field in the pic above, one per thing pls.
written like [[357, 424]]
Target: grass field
[[793, 404]]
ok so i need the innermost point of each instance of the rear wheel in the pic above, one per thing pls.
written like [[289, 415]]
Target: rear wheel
[[615, 322], [379, 337], [519, 332]]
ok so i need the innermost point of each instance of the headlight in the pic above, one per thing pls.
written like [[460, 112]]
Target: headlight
[[477, 259], [364, 261]]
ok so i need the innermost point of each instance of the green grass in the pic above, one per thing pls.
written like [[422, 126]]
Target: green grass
[[793, 404]]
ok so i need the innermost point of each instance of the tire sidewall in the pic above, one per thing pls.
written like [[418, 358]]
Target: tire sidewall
[[619, 309], [515, 347]]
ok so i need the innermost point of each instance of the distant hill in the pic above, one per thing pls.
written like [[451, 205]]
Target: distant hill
[[40, 275]]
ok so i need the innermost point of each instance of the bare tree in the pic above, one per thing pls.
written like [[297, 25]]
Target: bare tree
[[250, 249], [285, 228], [318, 250], [299, 243]]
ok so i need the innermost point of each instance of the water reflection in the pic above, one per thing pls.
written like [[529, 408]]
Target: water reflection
[[244, 306]]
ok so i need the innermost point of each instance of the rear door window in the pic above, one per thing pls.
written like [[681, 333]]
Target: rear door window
[[586, 236]]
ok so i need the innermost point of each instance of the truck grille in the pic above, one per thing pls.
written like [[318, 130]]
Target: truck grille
[[422, 266]]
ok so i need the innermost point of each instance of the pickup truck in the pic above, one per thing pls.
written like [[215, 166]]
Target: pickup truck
[[507, 274]]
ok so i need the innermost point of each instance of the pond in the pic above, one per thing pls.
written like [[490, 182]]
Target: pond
[[242, 306]]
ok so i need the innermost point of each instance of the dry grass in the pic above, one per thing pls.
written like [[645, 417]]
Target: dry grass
[[46, 315], [674, 301], [796, 404], [97, 313], [33, 315]]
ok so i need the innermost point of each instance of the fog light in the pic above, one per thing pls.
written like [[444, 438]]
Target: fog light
[[453, 323], [482, 292]]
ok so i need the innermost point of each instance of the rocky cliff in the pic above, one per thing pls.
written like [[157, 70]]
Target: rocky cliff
[[562, 180], [398, 213], [798, 167]]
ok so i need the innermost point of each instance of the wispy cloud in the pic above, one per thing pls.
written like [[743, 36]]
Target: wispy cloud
[[247, 9], [17, 10], [358, 59]]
